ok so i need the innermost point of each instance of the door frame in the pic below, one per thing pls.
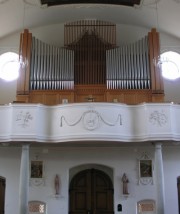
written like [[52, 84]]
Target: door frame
[[3, 180], [109, 171]]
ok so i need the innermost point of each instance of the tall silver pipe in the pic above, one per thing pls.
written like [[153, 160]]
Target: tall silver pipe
[[32, 65]]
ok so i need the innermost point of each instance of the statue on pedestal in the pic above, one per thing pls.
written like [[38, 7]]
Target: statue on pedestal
[[57, 185], [125, 182]]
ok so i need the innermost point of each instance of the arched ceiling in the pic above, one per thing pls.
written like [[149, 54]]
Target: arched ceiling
[[18, 14]]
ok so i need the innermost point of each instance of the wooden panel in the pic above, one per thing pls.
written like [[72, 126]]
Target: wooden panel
[[129, 96], [54, 97], [22, 99], [91, 191], [154, 54], [157, 98], [51, 98], [2, 195], [143, 97], [66, 96], [115, 96], [89, 98], [27, 64], [36, 98], [80, 193], [25, 53], [90, 93]]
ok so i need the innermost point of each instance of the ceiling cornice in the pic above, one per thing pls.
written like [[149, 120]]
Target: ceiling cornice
[[115, 2]]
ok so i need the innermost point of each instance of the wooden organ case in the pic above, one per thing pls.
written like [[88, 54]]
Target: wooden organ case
[[90, 67]]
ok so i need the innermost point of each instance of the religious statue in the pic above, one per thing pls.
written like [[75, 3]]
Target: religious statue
[[125, 182], [57, 184]]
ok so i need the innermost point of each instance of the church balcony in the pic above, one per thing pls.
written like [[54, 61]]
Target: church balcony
[[91, 121]]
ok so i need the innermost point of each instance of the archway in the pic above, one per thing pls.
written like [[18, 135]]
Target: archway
[[91, 192], [178, 189], [2, 194]]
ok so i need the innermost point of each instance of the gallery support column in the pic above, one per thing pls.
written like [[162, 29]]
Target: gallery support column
[[24, 181], [159, 175]]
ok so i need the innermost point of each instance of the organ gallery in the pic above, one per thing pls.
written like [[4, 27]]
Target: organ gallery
[[90, 67]]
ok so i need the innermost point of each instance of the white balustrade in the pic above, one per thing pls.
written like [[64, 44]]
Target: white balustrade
[[90, 121]]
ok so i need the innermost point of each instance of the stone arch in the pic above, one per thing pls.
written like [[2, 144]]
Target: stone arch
[[178, 190], [2, 193], [108, 170]]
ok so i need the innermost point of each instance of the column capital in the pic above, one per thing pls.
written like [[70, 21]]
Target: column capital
[[25, 146], [158, 145]]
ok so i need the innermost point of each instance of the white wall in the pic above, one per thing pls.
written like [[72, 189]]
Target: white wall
[[171, 157], [61, 160], [7, 91], [9, 169]]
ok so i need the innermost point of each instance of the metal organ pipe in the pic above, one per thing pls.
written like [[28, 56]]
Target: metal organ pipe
[[51, 68], [31, 79], [128, 66]]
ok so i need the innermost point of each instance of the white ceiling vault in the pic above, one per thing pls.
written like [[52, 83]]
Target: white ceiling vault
[[18, 14]]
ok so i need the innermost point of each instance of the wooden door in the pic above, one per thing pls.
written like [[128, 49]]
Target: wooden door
[[91, 192], [2, 194], [178, 189]]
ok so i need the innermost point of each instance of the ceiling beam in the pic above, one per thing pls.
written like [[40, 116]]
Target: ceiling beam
[[115, 2]]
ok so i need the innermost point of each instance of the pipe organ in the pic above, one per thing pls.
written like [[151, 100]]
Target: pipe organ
[[90, 67], [51, 68], [128, 66]]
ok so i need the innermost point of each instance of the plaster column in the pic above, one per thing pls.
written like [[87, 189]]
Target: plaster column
[[24, 181], [159, 178]]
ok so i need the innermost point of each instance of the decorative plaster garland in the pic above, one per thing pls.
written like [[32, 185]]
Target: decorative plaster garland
[[91, 120]]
